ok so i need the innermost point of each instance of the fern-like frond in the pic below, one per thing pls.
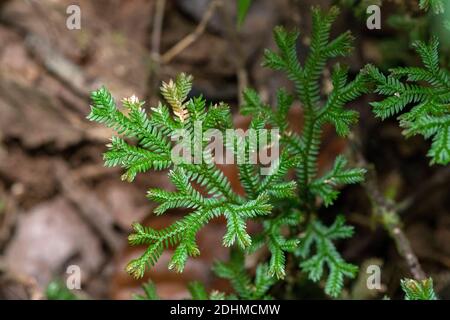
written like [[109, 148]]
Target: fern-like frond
[[418, 290], [149, 292], [437, 6], [425, 92], [325, 187], [277, 200], [307, 84], [134, 159], [175, 93], [321, 237], [234, 271], [277, 244]]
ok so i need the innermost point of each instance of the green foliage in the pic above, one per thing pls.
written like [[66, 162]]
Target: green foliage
[[277, 244], [242, 9], [198, 291], [418, 290], [153, 151], [284, 207], [325, 253], [437, 6], [307, 82], [235, 271], [306, 146], [149, 292], [426, 91], [324, 187], [412, 20], [57, 290]]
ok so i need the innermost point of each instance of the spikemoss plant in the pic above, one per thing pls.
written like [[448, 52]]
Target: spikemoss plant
[[285, 205]]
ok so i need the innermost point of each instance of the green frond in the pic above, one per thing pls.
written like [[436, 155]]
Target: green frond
[[136, 125], [277, 244], [175, 93], [286, 60], [263, 282], [284, 103], [283, 190], [307, 84], [149, 292], [440, 148], [197, 290], [237, 215], [253, 105], [276, 173], [236, 230], [272, 197], [342, 93], [180, 235], [326, 254], [249, 179], [426, 92], [309, 91], [218, 117], [339, 47], [212, 178], [234, 271], [134, 159], [437, 6], [429, 54], [418, 290], [162, 119], [325, 187], [137, 267]]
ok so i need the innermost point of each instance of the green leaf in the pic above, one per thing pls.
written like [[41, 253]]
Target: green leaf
[[325, 187], [234, 270], [57, 290], [418, 290], [242, 9], [426, 91], [326, 254], [437, 6], [198, 291], [149, 292]]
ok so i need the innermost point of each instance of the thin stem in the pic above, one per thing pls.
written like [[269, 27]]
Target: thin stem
[[384, 210], [192, 37]]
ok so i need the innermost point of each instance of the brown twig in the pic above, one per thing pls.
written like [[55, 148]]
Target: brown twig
[[238, 58], [157, 28], [170, 54], [153, 76], [384, 211], [58, 65]]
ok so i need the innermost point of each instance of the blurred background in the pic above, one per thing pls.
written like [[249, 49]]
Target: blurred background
[[59, 206]]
